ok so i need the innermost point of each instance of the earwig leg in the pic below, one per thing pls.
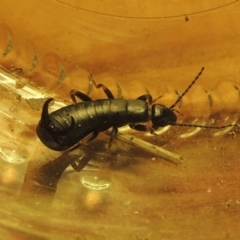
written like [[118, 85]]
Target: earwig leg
[[74, 93], [78, 167], [154, 100], [87, 139], [141, 127], [105, 89], [90, 137], [84, 161], [112, 135], [146, 97]]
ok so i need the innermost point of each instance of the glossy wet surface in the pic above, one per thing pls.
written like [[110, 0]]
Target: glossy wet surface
[[127, 195]]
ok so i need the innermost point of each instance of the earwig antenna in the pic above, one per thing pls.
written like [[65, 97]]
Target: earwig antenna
[[202, 126], [187, 89]]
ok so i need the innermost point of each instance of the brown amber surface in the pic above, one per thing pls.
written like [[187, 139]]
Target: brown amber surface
[[50, 47]]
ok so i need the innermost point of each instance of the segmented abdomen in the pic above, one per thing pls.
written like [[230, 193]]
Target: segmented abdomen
[[99, 115]]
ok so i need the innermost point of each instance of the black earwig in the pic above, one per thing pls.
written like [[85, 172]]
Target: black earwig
[[64, 128]]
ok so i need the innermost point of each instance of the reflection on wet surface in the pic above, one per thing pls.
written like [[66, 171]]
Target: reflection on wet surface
[[126, 188], [128, 193], [130, 190]]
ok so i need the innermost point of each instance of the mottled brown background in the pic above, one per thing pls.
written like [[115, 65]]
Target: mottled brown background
[[158, 45]]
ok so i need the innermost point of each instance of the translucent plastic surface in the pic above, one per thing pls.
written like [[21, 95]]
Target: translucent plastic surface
[[156, 47]]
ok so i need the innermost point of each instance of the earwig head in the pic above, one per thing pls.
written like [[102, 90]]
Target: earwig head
[[162, 116], [50, 133]]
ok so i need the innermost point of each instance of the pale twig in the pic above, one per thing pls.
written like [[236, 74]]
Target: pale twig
[[156, 150]]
